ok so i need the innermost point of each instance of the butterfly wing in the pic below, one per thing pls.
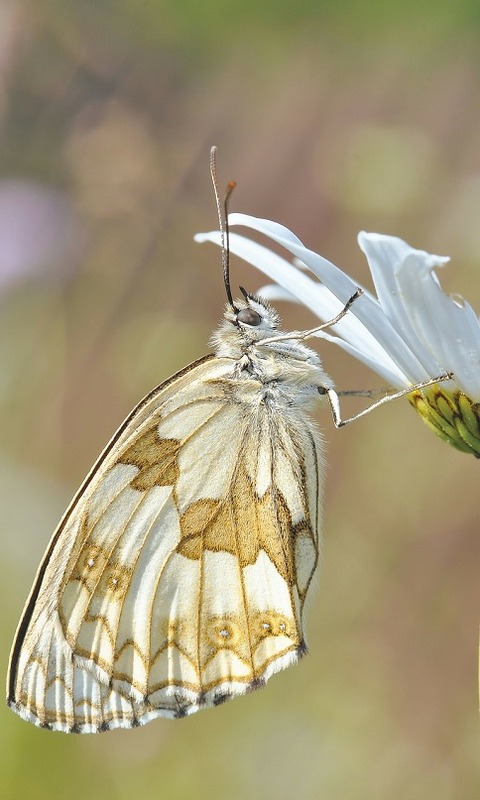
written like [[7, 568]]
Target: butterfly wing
[[178, 575]]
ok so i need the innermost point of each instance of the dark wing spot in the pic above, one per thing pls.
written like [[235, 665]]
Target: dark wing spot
[[302, 649], [221, 698], [257, 683], [75, 728], [180, 713], [104, 726]]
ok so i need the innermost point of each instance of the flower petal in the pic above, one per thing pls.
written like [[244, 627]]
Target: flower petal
[[444, 332], [385, 256], [366, 348], [356, 338], [366, 308]]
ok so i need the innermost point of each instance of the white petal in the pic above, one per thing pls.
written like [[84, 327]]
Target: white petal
[[450, 327], [356, 338], [285, 274], [366, 309], [385, 256], [272, 291], [381, 363], [414, 331], [446, 331]]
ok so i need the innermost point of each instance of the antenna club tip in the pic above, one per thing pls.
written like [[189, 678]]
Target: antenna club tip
[[230, 187]]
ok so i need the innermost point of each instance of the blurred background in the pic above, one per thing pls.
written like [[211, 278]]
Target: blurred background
[[332, 117]]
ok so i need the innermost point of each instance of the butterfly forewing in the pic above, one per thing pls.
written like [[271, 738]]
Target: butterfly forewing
[[178, 576]]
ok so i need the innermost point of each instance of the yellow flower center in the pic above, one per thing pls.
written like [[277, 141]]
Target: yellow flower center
[[451, 415]]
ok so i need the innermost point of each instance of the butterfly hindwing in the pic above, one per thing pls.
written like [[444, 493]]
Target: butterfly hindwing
[[178, 576]]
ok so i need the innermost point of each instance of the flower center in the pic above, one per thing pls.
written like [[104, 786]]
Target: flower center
[[451, 415]]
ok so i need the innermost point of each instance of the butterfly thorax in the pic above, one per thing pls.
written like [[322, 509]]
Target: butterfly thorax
[[289, 372]]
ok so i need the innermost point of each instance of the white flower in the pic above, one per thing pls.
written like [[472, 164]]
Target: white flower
[[410, 333]]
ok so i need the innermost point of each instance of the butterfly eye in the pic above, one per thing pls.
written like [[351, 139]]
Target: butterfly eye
[[249, 316]]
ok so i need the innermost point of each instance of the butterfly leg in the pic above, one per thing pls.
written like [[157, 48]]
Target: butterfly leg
[[301, 335], [334, 401]]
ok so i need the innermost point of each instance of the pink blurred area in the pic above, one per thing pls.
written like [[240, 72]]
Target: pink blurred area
[[37, 233]]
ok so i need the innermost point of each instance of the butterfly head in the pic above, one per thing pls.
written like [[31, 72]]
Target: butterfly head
[[253, 316], [246, 321]]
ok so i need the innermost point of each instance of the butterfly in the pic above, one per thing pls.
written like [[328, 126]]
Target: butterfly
[[179, 574]]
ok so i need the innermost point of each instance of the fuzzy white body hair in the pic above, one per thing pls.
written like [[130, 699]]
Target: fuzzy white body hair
[[290, 372]]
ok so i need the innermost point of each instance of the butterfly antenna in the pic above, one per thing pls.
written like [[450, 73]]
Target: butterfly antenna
[[222, 212]]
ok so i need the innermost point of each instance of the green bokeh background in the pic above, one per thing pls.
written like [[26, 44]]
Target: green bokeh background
[[332, 117]]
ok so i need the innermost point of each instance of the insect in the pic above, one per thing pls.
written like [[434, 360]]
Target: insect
[[178, 576]]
